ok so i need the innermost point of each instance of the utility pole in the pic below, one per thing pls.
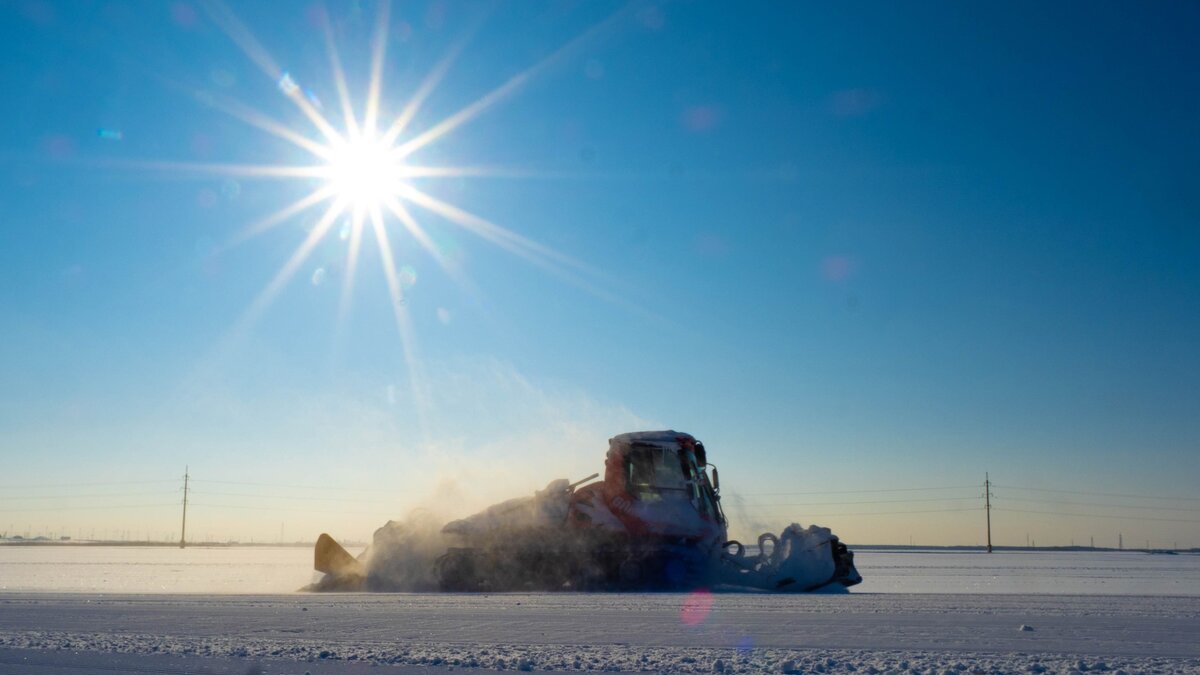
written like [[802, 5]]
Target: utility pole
[[183, 529], [1120, 542], [987, 501]]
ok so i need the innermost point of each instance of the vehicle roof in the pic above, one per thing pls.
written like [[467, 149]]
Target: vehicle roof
[[666, 437]]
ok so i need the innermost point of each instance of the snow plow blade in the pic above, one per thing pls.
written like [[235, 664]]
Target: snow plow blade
[[799, 560], [343, 572]]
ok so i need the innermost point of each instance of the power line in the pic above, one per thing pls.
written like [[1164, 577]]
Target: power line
[[869, 501], [1096, 494], [851, 492], [987, 502], [51, 486], [192, 491], [66, 485], [289, 497], [183, 529], [1103, 505], [295, 487], [327, 487], [887, 513], [1097, 515], [90, 507], [282, 508], [89, 495]]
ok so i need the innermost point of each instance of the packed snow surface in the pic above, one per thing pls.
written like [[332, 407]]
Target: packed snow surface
[[663, 632], [200, 610]]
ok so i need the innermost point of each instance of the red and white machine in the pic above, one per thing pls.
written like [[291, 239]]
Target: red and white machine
[[654, 522]]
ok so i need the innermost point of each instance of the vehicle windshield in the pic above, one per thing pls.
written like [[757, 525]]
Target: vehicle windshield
[[653, 470]]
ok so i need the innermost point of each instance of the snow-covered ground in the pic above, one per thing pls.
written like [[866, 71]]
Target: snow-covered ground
[[626, 632], [166, 610], [154, 569], [129, 569], [1058, 572]]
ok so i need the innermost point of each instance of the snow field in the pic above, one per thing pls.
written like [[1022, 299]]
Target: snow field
[[92, 610], [739, 633], [580, 658]]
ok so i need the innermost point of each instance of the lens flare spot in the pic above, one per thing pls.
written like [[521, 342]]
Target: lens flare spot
[[287, 85], [318, 276], [407, 276], [206, 198], [344, 230], [745, 645], [230, 189], [59, 146], [222, 77], [854, 102], [652, 18], [206, 247], [444, 316], [183, 14], [838, 267], [702, 118], [696, 607]]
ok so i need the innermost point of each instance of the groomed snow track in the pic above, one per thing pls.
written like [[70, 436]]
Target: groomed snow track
[[855, 633]]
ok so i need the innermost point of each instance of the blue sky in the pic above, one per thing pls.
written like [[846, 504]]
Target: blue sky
[[853, 249]]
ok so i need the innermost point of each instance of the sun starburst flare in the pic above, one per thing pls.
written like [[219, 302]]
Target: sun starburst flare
[[362, 171], [363, 162], [363, 165]]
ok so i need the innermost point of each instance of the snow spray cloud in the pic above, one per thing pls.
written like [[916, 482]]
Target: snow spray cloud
[[403, 554], [516, 544], [493, 435], [743, 522]]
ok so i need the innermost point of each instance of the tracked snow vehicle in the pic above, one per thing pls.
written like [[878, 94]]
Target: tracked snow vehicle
[[654, 522]]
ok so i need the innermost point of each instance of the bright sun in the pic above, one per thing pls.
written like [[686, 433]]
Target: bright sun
[[367, 178], [367, 169], [364, 171]]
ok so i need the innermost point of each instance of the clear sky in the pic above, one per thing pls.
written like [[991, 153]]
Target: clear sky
[[862, 252]]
